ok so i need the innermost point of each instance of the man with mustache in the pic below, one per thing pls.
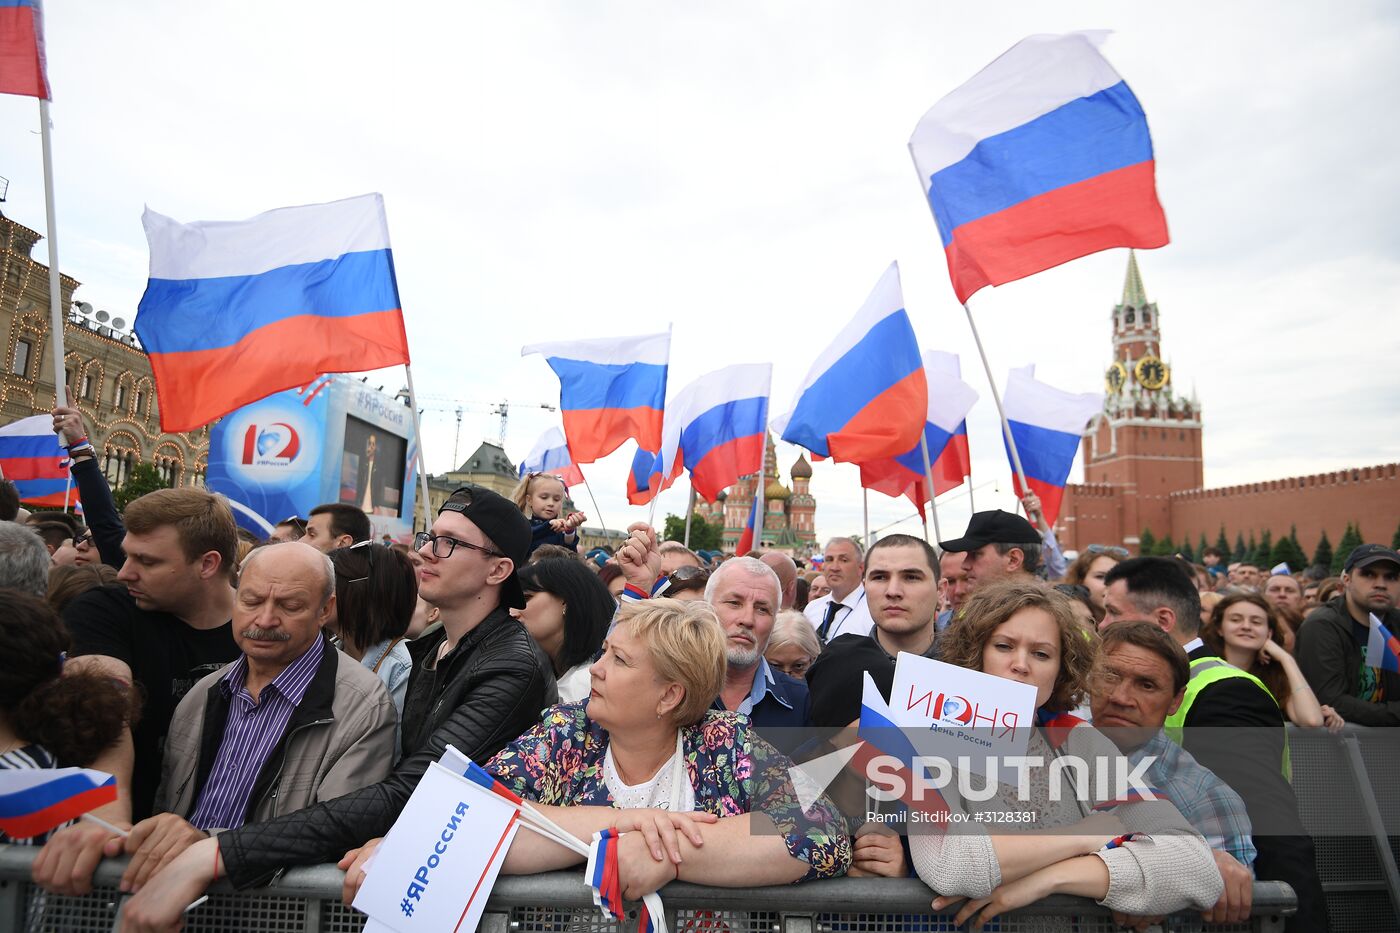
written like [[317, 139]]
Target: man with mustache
[[290, 723]]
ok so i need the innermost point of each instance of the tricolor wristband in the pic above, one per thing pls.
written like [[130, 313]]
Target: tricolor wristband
[[634, 593]]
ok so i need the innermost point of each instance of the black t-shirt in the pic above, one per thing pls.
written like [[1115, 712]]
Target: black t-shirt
[[836, 679], [166, 657]]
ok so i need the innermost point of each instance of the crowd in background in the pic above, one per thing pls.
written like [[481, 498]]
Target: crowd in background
[[272, 702]]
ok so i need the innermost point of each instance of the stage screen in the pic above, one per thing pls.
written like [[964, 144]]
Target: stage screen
[[372, 468]]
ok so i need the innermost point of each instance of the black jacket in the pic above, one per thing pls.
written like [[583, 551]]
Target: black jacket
[[485, 693], [1329, 656], [99, 511]]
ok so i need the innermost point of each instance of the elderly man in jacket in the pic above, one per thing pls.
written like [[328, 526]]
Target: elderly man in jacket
[[292, 722], [477, 683]]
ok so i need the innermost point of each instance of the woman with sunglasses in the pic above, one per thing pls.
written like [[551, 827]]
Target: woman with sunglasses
[[567, 611], [376, 591], [1089, 568]]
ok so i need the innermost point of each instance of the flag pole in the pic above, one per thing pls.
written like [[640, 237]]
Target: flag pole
[[865, 508], [971, 502], [932, 491], [996, 397], [68, 486], [422, 461], [60, 374], [689, 511], [759, 518], [607, 535]]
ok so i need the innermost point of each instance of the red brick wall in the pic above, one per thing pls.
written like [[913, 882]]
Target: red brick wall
[[1369, 496]]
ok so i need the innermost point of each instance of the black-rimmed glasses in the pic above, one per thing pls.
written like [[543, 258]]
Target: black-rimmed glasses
[[83, 540], [444, 545]]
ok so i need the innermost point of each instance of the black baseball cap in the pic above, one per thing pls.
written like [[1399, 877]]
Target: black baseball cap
[[996, 527], [503, 524], [1368, 554]]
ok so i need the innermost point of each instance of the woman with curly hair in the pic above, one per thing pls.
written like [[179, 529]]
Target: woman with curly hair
[[1245, 630], [49, 719], [1083, 841]]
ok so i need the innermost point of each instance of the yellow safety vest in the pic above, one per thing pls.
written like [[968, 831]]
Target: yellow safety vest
[[1207, 671]]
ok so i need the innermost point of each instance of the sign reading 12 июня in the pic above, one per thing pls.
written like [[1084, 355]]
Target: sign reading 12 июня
[[954, 713]]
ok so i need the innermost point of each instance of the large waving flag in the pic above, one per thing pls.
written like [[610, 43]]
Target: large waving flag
[[611, 389], [235, 311], [22, 67], [35, 800], [1042, 157], [949, 401], [864, 397], [31, 456], [1047, 424], [954, 464], [551, 455], [716, 428]]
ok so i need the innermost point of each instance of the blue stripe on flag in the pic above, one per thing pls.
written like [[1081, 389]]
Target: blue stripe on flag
[[1080, 140], [38, 488], [177, 315], [936, 438], [1046, 455], [584, 386], [30, 445], [43, 796], [722, 424], [886, 354]]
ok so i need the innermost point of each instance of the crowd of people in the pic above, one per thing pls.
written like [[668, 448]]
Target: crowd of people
[[271, 703]]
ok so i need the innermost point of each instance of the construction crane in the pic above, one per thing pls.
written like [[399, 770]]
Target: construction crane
[[499, 409]]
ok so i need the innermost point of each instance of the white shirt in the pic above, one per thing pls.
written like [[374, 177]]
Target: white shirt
[[576, 683], [852, 619], [668, 789]]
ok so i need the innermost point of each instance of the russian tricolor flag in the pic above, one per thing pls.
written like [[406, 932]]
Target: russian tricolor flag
[[746, 539], [22, 66], [1382, 648], [235, 311], [1043, 157], [949, 401], [1046, 424], [551, 455], [611, 390], [32, 457], [716, 428], [34, 801], [644, 477], [864, 397]]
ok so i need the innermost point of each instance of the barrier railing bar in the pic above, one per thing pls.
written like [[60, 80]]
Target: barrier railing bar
[[1379, 839]]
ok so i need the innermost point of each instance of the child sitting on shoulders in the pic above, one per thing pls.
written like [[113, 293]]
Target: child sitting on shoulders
[[541, 497]]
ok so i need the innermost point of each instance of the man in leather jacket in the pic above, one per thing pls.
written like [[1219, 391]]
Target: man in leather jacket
[[477, 683]]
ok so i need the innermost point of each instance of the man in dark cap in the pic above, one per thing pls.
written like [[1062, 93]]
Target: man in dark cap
[[1332, 645], [477, 683], [997, 546]]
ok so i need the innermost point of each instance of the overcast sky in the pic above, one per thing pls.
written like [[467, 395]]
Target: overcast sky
[[556, 170]]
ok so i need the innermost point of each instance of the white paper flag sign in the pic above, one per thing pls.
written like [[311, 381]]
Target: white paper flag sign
[[951, 712], [435, 869]]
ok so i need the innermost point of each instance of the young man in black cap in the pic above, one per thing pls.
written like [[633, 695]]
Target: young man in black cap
[[477, 683], [1332, 642], [997, 546]]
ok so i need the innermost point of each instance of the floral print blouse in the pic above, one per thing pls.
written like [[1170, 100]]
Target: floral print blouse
[[559, 762]]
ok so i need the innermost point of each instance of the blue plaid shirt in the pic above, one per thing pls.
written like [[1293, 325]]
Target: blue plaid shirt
[[1207, 802]]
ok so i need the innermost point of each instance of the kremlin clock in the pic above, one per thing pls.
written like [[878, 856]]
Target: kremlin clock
[[1115, 377], [1151, 372]]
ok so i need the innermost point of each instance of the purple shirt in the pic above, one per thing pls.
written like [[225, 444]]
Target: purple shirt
[[251, 732]]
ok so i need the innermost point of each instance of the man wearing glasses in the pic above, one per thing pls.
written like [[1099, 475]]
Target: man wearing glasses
[[477, 683]]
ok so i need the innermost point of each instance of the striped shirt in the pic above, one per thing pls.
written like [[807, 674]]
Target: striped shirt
[[251, 732], [1208, 803]]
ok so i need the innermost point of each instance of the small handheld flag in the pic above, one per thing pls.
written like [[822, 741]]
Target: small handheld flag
[[32, 457], [35, 801], [551, 455], [1382, 647], [1042, 157]]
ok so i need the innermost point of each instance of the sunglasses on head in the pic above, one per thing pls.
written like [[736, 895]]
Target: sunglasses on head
[[1111, 550]]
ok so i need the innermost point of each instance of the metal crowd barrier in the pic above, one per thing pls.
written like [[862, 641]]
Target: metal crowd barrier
[[1348, 794], [308, 899], [1349, 798]]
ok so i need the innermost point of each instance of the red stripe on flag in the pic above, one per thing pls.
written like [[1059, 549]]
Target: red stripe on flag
[[21, 56], [41, 821], [723, 465], [1117, 208], [1050, 496], [887, 426], [197, 386], [34, 468], [593, 433]]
